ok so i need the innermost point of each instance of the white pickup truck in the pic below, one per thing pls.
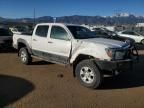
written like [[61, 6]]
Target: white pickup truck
[[90, 56]]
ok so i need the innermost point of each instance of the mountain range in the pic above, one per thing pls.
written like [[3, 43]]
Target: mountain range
[[78, 19]]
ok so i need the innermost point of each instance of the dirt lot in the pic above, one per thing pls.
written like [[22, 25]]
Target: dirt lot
[[45, 85]]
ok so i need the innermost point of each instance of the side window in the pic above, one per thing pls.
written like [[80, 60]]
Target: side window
[[134, 33], [130, 33], [125, 32], [42, 31], [59, 33]]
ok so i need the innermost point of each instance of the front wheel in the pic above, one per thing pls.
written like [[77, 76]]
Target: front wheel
[[88, 74], [25, 56]]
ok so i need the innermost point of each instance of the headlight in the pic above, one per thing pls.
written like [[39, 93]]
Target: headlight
[[115, 54], [110, 52]]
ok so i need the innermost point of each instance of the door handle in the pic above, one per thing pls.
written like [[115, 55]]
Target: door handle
[[50, 42], [34, 40]]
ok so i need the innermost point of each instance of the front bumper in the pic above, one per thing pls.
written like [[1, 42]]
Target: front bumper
[[120, 65]]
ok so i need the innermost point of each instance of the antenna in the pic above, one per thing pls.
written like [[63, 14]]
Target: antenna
[[34, 15]]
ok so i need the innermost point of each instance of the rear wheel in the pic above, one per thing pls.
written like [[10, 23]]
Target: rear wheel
[[25, 56], [88, 74]]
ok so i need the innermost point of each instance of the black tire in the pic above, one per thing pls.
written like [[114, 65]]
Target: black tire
[[25, 56], [142, 42], [93, 78]]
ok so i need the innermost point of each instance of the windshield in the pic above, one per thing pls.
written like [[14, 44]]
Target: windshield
[[80, 32]]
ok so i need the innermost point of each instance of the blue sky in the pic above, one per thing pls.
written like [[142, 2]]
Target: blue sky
[[24, 8]]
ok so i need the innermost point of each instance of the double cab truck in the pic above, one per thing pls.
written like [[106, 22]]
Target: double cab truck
[[89, 56]]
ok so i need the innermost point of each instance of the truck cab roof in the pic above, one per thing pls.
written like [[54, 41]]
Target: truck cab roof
[[59, 24]]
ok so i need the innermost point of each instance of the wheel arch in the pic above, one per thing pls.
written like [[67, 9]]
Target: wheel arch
[[79, 58], [22, 43]]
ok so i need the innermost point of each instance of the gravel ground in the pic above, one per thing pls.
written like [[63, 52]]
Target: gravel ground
[[46, 85]]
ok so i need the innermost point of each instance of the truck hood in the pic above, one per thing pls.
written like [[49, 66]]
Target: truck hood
[[107, 42]]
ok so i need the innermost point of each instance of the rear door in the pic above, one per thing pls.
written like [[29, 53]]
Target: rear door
[[59, 45], [39, 40]]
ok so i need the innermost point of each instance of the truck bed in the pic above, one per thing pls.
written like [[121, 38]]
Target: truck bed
[[26, 38]]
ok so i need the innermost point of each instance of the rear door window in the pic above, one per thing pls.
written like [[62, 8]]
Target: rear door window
[[42, 31]]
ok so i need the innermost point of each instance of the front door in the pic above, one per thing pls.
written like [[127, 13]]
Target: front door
[[59, 45]]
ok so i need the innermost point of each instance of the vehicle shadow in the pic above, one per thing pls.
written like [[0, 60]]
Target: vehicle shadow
[[131, 79], [12, 89], [41, 63]]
